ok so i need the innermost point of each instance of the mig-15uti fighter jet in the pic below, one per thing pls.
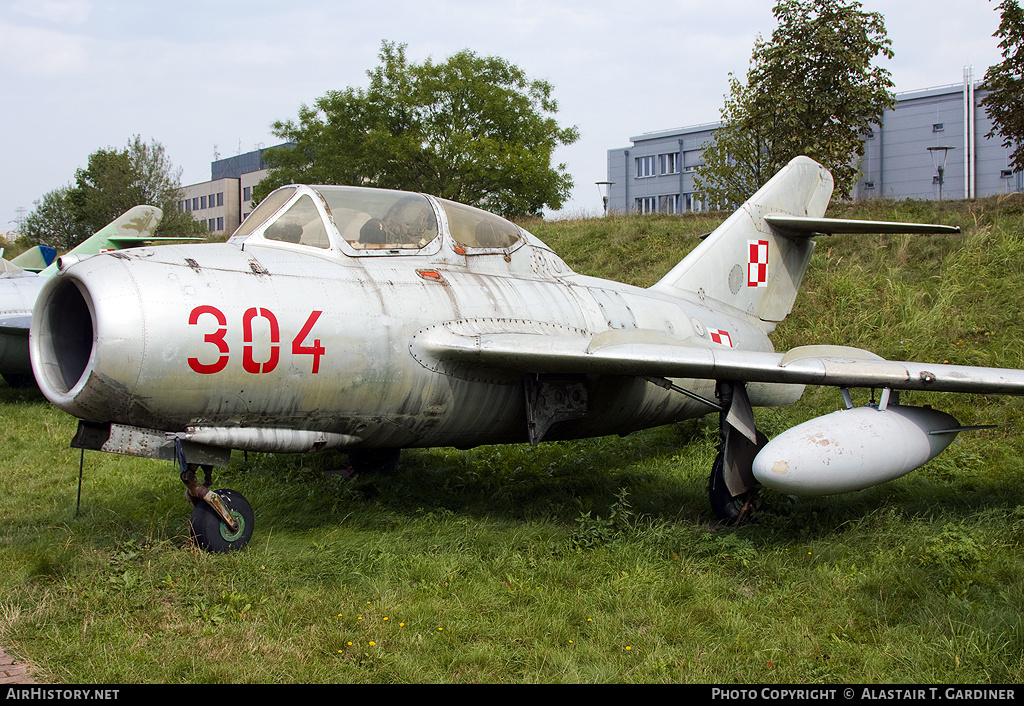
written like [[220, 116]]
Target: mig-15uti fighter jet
[[371, 321]]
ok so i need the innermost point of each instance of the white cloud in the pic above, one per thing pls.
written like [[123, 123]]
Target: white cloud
[[58, 11], [40, 53]]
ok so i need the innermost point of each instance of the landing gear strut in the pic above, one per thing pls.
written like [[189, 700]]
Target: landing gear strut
[[732, 488], [222, 520]]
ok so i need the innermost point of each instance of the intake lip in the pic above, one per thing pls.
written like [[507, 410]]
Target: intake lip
[[63, 338], [87, 339]]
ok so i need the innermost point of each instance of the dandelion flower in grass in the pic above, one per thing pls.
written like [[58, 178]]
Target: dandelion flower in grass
[[372, 643]]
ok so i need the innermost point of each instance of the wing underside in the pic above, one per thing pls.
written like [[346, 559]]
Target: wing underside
[[637, 352]]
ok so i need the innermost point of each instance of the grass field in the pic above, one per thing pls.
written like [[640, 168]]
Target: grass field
[[588, 561]]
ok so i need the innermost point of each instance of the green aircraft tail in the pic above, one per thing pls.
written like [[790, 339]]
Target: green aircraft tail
[[134, 227]]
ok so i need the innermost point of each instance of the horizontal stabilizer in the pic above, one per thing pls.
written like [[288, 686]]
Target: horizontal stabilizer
[[804, 226], [124, 241]]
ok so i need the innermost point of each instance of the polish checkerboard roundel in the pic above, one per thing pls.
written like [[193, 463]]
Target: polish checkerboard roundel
[[757, 263]]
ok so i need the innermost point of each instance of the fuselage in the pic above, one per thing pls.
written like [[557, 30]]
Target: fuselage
[[266, 333]]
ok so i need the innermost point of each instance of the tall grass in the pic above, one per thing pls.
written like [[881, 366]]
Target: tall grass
[[588, 561]]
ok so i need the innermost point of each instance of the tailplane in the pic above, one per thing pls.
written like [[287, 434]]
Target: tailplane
[[755, 261]]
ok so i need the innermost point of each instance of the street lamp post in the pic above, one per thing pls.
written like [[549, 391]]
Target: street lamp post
[[603, 188], [939, 163]]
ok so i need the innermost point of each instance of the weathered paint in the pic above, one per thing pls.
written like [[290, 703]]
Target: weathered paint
[[306, 330]]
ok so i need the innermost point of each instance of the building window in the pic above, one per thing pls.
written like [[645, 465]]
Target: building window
[[247, 193], [669, 163], [211, 223], [869, 185], [195, 203], [1005, 173], [669, 204], [220, 198], [220, 223], [646, 204], [202, 202], [645, 167], [938, 127]]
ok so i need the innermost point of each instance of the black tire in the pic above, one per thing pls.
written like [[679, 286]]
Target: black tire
[[380, 461], [212, 534], [729, 509]]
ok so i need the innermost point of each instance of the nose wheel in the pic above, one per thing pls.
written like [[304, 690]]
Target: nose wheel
[[222, 520], [212, 533]]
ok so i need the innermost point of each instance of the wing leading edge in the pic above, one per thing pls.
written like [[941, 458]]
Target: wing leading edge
[[638, 352]]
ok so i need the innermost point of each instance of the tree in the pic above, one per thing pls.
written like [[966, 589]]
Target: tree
[[112, 182], [472, 129], [1004, 102], [53, 223], [811, 90]]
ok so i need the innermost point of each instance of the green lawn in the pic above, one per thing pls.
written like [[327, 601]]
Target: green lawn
[[588, 561]]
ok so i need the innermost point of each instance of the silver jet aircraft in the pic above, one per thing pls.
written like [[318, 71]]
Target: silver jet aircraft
[[371, 321]]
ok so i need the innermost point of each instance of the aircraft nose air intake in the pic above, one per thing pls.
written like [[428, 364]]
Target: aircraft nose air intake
[[63, 337], [85, 336], [66, 336]]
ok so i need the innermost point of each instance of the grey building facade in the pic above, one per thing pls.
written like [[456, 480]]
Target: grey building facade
[[926, 130], [224, 201]]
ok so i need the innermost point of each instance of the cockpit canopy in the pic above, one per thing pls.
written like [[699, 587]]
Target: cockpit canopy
[[374, 221]]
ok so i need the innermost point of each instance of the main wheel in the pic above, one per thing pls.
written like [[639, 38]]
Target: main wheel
[[212, 534], [729, 509]]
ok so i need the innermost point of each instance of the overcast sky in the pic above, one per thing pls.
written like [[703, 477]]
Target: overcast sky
[[210, 77]]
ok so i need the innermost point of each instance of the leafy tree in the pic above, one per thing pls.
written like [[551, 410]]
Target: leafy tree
[[1005, 82], [472, 129], [811, 90], [112, 182], [53, 223]]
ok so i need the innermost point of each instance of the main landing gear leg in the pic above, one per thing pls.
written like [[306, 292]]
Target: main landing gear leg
[[732, 488], [222, 520]]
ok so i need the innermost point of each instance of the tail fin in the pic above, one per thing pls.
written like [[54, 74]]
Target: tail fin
[[35, 259], [133, 227], [756, 260], [746, 263]]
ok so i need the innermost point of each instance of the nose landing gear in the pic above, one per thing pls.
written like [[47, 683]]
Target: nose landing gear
[[222, 520]]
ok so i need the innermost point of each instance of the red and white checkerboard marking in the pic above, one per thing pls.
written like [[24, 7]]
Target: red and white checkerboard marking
[[757, 263], [721, 337]]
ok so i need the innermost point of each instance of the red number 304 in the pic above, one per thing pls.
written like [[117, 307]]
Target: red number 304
[[217, 336]]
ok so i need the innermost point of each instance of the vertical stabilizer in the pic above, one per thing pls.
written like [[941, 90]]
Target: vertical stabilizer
[[133, 227], [746, 264]]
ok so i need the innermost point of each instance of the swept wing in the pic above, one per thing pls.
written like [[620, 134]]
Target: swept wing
[[642, 353]]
